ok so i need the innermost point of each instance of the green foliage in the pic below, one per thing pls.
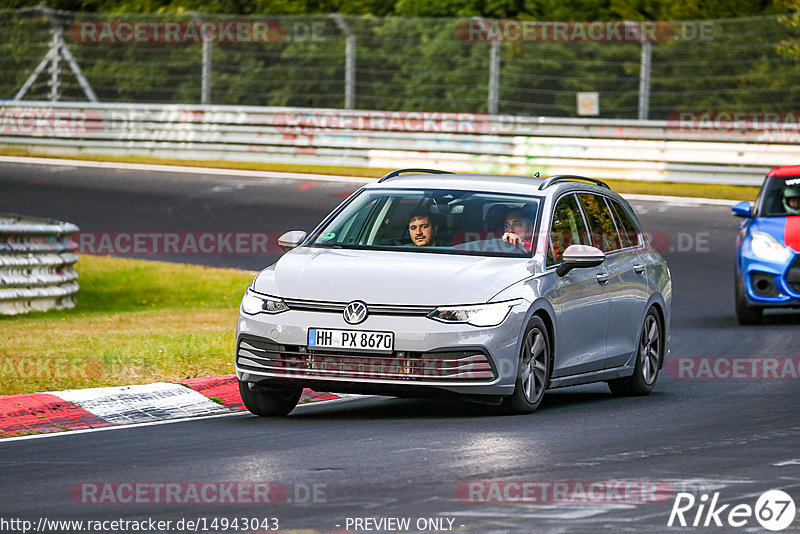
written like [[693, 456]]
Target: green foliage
[[511, 9], [421, 63]]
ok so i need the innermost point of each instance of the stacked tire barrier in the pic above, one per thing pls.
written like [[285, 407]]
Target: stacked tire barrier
[[37, 258]]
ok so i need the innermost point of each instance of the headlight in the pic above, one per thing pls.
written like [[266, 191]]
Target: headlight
[[767, 247], [479, 315], [253, 303]]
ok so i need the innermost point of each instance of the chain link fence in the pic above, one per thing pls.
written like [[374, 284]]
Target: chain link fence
[[456, 65]]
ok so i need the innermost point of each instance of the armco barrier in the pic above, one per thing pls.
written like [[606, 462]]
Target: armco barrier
[[36, 264], [624, 149]]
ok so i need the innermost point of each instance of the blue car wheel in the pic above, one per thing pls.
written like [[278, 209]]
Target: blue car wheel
[[745, 313]]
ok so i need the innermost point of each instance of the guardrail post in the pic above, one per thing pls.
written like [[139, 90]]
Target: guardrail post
[[349, 62]]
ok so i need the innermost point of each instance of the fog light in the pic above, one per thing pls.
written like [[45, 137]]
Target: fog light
[[763, 284]]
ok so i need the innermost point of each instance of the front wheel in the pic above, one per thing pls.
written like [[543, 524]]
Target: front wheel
[[648, 360], [269, 403], [533, 370], [746, 314]]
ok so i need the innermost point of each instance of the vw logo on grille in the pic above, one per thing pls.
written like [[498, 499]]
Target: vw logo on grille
[[355, 312]]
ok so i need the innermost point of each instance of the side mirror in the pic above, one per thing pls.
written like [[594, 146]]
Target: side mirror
[[742, 209], [291, 240], [580, 256]]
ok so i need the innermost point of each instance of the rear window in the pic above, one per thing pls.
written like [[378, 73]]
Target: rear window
[[628, 230]]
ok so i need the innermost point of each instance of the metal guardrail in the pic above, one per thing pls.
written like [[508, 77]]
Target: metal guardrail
[[36, 264], [622, 149]]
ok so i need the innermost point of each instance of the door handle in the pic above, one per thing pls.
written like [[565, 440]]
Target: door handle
[[638, 268], [602, 278]]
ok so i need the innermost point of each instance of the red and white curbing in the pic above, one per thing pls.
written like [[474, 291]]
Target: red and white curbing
[[80, 409]]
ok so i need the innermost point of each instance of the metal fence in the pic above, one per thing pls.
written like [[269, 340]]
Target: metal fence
[[528, 68], [36, 264]]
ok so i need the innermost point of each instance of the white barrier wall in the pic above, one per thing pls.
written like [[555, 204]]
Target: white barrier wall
[[737, 152], [37, 259]]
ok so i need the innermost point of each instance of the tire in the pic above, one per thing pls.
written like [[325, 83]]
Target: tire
[[269, 403], [533, 371], [746, 314], [648, 360]]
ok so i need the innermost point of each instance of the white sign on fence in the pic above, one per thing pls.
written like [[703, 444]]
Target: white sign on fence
[[589, 104]]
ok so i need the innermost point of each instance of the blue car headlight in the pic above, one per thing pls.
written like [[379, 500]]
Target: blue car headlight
[[767, 248], [479, 315], [253, 303]]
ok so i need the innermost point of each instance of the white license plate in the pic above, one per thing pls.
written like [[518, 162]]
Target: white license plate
[[350, 339]]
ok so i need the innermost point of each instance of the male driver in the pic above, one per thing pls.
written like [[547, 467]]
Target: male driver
[[421, 229], [518, 228]]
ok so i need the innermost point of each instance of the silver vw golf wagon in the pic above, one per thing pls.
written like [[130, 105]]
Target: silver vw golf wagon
[[429, 283]]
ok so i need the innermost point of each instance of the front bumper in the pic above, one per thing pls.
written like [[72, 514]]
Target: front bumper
[[428, 355], [771, 284]]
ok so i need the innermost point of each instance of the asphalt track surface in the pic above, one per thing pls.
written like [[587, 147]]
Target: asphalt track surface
[[379, 457]]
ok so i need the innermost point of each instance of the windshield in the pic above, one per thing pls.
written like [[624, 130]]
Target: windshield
[[437, 221], [780, 197]]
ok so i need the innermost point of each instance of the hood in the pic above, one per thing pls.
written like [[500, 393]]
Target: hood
[[785, 229], [382, 277]]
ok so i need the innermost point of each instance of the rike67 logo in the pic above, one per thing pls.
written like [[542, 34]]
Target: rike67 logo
[[774, 510]]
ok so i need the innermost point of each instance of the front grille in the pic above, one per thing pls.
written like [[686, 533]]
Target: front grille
[[793, 275], [374, 309], [297, 361]]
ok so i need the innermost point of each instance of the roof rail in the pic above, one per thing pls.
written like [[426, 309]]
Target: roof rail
[[398, 172], [571, 177]]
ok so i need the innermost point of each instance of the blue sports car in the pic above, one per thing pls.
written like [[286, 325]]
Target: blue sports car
[[768, 247]]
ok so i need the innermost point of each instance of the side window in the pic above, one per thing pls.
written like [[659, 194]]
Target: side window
[[551, 258], [757, 207], [601, 224], [352, 231], [629, 231], [566, 229]]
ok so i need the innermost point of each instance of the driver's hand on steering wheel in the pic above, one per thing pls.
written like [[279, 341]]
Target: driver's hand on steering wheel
[[511, 237], [514, 239]]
